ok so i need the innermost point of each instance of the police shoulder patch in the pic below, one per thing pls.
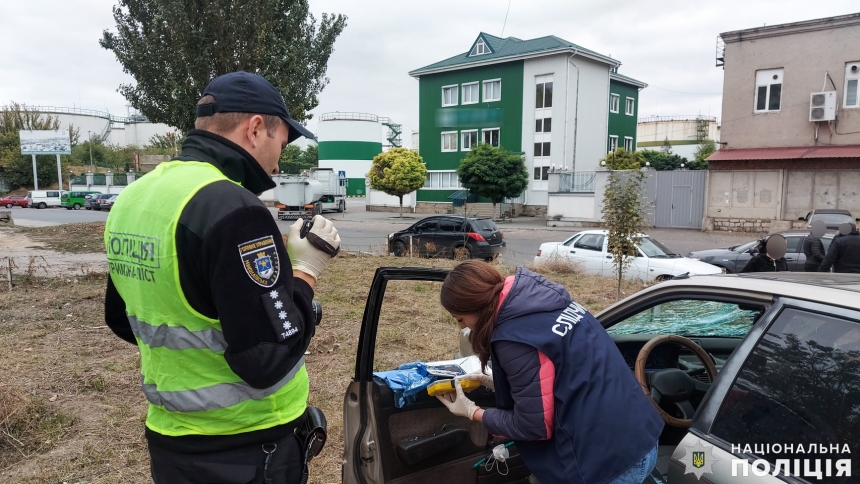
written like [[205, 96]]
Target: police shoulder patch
[[259, 257]]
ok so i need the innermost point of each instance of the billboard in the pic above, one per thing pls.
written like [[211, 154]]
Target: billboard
[[45, 143]]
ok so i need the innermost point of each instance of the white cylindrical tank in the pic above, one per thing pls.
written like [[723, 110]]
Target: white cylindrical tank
[[296, 192], [348, 142]]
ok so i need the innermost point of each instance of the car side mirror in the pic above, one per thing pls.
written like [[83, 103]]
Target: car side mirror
[[801, 218]]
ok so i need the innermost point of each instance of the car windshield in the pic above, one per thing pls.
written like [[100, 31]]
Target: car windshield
[[652, 248], [832, 218], [483, 225], [690, 318]]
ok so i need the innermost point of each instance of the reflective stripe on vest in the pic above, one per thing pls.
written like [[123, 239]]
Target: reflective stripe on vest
[[211, 398], [177, 337]]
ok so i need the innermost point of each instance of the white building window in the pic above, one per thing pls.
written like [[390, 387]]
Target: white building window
[[442, 180], [490, 136], [449, 141], [541, 173], [543, 125], [628, 144], [542, 149], [449, 95], [470, 93], [479, 48], [493, 90], [613, 143], [543, 91], [768, 90], [470, 139], [630, 107], [614, 102], [852, 79]]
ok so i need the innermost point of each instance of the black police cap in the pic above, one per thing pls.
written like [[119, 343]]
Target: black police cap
[[243, 92]]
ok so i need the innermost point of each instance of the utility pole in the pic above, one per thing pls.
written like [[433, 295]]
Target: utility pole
[[90, 144]]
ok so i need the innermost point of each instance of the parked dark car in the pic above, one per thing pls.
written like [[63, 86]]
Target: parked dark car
[[449, 236], [733, 259], [832, 218], [94, 201], [736, 362], [106, 203], [13, 200]]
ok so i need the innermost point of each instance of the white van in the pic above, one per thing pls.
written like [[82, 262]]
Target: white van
[[44, 198]]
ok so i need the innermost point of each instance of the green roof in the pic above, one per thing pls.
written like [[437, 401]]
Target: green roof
[[508, 49], [627, 80]]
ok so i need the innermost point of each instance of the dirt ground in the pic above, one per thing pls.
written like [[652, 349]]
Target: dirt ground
[[71, 410]]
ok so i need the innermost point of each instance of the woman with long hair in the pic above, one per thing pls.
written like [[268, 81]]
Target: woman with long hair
[[564, 394]]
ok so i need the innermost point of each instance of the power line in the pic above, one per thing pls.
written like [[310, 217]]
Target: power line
[[506, 18]]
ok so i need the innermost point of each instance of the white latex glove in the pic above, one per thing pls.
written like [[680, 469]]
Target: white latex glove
[[486, 380], [457, 403], [305, 256]]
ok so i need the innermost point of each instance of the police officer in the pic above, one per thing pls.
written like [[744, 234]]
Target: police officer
[[221, 310], [843, 255]]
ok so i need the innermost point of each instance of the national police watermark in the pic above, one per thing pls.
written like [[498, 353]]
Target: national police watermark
[[816, 467]]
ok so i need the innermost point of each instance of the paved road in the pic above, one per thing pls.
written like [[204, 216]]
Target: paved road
[[368, 231]]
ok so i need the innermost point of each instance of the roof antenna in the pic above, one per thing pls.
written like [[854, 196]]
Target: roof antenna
[[506, 18]]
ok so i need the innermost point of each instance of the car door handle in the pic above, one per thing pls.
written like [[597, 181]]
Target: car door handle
[[790, 259], [573, 252], [608, 256]]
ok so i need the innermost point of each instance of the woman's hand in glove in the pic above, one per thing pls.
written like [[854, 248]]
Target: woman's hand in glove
[[486, 380], [458, 404]]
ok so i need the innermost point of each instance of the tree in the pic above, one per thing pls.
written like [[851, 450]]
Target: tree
[[173, 48], [493, 172], [661, 161], [311, 155], [706, 149], [625, 218], [666, 149], [290, 161], [171, 141], [621, 159], [397, 172]]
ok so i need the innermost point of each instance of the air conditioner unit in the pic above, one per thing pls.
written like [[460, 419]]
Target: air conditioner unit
[[822, 106]]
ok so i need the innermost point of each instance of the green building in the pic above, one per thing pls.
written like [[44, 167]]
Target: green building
[[546, 98], [623, 111]]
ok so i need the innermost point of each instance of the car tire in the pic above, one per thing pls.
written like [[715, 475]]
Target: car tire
[[341, 207], [43, 205], [88, 208], [68, 208], [663, 278], [398, 248], [8, 205], [461, 252], [76, 206]]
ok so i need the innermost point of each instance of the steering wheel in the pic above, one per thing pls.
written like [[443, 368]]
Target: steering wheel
[[673, 385]]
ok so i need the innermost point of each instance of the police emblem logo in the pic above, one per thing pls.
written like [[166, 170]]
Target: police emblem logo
[[259, 258], [699, 459]]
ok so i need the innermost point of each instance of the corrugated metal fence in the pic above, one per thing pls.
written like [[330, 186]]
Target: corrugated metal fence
[[677, 198]]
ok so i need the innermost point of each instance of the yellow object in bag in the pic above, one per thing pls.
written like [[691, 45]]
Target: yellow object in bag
[[442, 387]]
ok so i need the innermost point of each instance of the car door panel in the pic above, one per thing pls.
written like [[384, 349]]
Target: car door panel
[[588, 250], [422, 441]]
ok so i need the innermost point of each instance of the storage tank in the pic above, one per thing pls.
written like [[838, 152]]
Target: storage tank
[[348, 142]]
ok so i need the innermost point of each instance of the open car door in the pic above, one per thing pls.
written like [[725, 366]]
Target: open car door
[[421, 442]]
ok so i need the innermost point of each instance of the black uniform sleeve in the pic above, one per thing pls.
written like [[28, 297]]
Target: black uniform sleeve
[[818, 250], [752, 264], [266, 315], [115, 316], [831, 257]]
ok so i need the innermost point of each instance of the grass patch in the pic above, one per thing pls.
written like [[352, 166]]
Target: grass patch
[[94, 377], [28, 426], [77, 238]]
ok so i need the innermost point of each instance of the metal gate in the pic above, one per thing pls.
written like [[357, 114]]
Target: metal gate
[[677, 198]]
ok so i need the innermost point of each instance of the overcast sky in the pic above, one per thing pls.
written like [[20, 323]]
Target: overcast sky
[[51, 56]]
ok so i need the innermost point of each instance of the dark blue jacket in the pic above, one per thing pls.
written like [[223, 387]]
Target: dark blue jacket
[[601, 421]]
